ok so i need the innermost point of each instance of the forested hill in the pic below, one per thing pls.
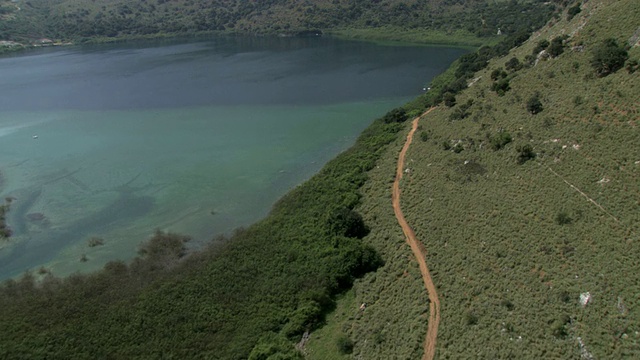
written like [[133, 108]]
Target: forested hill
[[82, 19]]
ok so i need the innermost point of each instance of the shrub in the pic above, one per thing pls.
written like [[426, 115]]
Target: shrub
[[345, 345], [414, 113], [304, 318], [507, 304], [573, 11], [498, 73], [608, 57], [471, 318], [559, 327], [501, 86], [632, 66], [396, 115], [274, 346], [500, 140], [534, 105], [578, 100], [449, 99], [541, 45], [346, 222], [529, 60], [424, 136], [525, 153], [513, 64], [556, 48], [164, 245], [563, 218], [462, 111]]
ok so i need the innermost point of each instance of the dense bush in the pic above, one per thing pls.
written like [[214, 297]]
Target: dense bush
[[563, 218], [573, 11], [632, 66], [534, 105], [449, 99], [513, 64], [501, 86], [556, 48], [346, 222], [497, 74], [540, 45], [608, 57], [525, 153], [396, 115], [500, 140], [273, 346], [345, 345], [462, 111]]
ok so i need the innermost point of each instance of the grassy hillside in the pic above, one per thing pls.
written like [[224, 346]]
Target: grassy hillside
[[525, 193], [81, 20]]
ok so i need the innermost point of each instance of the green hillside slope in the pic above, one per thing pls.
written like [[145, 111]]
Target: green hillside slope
[[471, 21], [525, 193]]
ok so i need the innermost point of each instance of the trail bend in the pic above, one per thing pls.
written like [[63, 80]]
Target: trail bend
[[418, 249]]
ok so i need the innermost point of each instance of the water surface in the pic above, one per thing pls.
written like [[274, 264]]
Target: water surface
[[115, 141]]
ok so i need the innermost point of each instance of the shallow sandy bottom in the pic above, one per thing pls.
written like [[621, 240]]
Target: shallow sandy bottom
[[119, 175]]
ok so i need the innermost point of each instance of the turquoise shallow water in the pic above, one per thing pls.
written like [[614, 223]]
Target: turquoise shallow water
[[119, 175], [117, 141]]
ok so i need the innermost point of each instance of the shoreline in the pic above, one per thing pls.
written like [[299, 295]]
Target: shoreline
[[379, 36]]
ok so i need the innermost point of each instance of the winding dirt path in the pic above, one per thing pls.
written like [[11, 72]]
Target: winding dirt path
[[419, 251]]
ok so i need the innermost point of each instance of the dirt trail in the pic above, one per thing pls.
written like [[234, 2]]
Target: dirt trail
[[419, 251]]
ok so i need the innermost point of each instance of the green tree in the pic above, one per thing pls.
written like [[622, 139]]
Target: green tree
[[449, 99], [541, 45], [556, 48], [534, 105], [573, 11], [396, 115], [346, 222], [513, 64], [608, 57]]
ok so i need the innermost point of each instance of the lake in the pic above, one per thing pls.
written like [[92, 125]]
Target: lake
[[196, 137]]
